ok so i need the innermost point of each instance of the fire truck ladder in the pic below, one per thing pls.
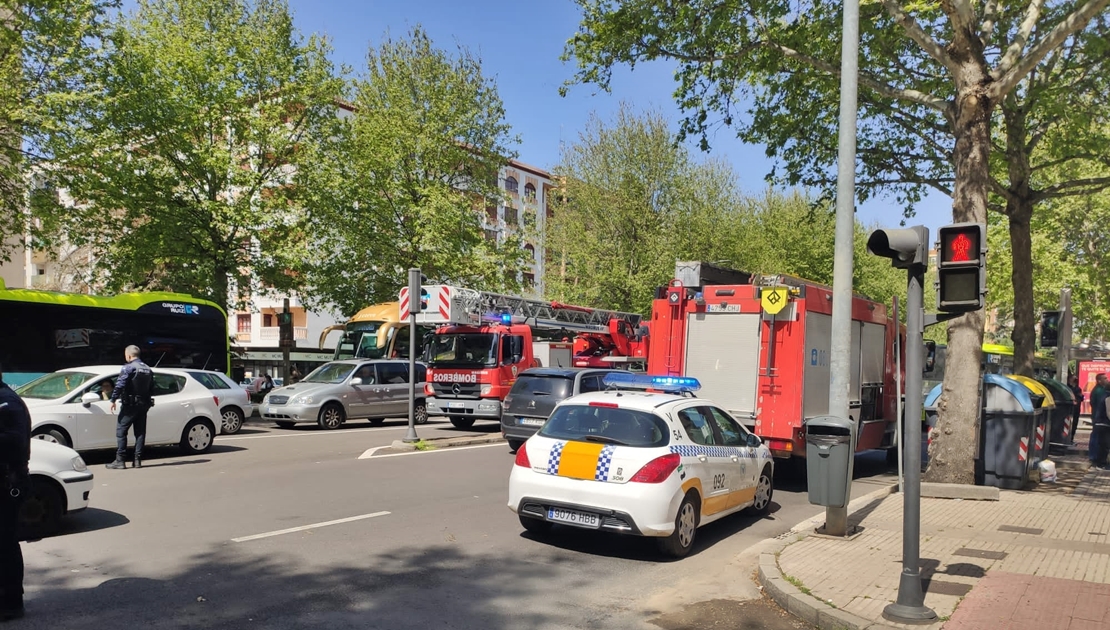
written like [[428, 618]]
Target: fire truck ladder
[[541, 313]]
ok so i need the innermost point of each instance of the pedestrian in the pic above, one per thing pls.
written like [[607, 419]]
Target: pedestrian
[[1077, 391], [15, 454], [133, 390], [295, 376], [1100, 422]]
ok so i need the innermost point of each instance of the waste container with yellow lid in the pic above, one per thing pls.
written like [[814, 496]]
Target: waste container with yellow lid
[[1038, 450]]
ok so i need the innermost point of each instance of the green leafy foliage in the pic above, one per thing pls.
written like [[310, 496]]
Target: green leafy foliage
[[404, 179], [181, 159]]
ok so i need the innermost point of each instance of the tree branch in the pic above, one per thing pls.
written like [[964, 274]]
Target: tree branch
[[990, 19], [1009, 78], [1074, 187], [1021, 38], [917, 34]]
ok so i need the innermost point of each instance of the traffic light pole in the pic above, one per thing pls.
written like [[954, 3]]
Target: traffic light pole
[[910, 606], [1063, 343], [286, 341], [414, 306]]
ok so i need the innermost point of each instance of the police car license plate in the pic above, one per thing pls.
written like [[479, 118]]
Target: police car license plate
[[574, 517], [532, 422]]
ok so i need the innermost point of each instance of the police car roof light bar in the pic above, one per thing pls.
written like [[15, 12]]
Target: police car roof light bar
[[675, 384]]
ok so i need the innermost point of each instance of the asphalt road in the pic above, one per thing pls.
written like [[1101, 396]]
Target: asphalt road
[[246, 536]]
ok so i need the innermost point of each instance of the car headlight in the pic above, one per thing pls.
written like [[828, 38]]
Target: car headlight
[[78, 464], [486, 389], [303, 400]]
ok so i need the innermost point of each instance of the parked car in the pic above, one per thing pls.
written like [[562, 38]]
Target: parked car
[[340, 390], [60, 485], [535, 394], [71, 407], [233, 400]]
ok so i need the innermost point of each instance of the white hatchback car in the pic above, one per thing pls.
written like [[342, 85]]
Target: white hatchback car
[[71, 407], [636, 462], [233, 400], [60, 485]]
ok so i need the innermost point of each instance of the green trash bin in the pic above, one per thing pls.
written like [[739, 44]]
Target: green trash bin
[[1062, 433], [1006, 433], [828, 455]]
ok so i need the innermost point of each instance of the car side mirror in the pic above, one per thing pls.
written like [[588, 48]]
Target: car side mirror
[[356, 381], [753, 440], [89, 398]]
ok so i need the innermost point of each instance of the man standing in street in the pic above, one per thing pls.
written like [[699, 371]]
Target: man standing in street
[[1100, 423], [15, 453], [133, 388], [1077, 392]]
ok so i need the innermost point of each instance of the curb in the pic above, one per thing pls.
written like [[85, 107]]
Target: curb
[[801, 605], [445, 443]]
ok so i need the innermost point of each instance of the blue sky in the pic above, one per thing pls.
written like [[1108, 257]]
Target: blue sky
[[520, 44]]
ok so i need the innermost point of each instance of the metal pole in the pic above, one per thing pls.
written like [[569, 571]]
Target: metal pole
[[414, 304], [285, 344], [899, 433], [840, 357], [1063, 341], [910, 607]]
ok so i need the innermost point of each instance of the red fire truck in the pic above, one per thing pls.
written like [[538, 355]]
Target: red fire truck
[[760, 348], [483, 340]]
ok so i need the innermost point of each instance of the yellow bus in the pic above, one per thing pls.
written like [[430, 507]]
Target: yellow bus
[[375, 332]]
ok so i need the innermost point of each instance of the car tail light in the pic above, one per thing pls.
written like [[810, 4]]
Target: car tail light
[[658, 469], [522, 456], [217, 400], [605, 404]]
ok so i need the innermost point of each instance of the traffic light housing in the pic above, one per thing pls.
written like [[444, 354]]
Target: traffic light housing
[[285, 327], [961, 267], [1050, 329], [905, 247]]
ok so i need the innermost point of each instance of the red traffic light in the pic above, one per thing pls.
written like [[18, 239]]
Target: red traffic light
[[960, 244]]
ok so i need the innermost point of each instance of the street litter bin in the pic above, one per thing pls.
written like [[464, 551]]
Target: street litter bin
[[828, 455], [1006, 432], [1061, 433], [1039, 448]]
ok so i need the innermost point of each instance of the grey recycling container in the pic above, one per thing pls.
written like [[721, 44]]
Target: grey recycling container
[[1006, 432], [1061, 432], [828, 455]]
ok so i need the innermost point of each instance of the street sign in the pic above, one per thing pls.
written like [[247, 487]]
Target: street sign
[[774, 300]]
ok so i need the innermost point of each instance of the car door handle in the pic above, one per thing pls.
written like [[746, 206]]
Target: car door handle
[[702, 458]]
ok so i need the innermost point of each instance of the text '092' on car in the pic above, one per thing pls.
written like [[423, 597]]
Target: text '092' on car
[[642, 457]]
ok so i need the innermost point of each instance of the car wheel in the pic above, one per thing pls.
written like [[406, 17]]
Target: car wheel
[[52, 435], [534, 525], [197, 436], [764, 490], [332, 416], [462, 422], [514, 445], [420, 413], [41, 512], [233, 420], [679, 544], [285, 424]]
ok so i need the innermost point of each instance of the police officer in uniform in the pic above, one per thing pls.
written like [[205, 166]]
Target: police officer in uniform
[[133, 388], [15, 452]]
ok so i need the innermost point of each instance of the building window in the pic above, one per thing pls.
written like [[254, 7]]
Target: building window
[[548, 211], [511, 184], [491, 235], [267, 320], [491, 213], [529, 280], [510, 216], [531, 252], [529, 192], [243, 323]]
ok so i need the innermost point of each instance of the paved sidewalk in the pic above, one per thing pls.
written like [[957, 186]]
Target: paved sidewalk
[[1036, 559]]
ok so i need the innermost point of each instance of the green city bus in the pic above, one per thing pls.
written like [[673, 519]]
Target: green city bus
[[45, 331]]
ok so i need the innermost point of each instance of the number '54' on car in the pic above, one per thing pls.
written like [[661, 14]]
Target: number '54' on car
[[649, 463]]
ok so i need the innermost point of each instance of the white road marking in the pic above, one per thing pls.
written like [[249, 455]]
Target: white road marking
[[370, 451], [308, 433], [302, 528], [435, 450]]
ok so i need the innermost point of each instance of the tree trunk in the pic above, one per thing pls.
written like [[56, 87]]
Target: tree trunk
[[220, 278], [1021, 249], [952, 450]]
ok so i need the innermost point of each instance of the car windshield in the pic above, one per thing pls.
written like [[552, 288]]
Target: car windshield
[[607, 425], [558, 387], [464, 349], [54, 385], [329, 373]]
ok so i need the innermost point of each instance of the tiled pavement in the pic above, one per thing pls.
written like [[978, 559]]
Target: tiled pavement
[[1037, 559]]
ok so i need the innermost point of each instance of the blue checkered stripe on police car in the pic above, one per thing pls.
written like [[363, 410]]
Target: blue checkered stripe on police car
[[603, 461], [554, 457], [693, 450]]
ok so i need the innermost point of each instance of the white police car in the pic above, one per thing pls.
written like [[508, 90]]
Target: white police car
[[652, 463]]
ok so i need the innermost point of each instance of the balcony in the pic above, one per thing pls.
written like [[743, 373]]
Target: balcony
[[273, 333]]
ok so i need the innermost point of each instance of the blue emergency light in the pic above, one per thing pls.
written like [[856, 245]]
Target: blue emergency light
[[506, 318], [628, 380]]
